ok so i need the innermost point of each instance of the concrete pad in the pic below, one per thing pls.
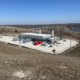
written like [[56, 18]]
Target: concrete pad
[[63, 46]]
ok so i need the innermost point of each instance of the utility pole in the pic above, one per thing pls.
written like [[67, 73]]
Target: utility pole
[[70, 42]]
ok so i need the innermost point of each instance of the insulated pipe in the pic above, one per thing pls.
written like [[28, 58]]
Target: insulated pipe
[[52, 34], [39, 31]]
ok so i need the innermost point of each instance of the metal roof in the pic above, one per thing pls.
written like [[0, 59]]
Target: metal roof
[[35, 34]]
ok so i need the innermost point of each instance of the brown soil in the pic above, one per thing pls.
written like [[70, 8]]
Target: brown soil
[[42, 66]]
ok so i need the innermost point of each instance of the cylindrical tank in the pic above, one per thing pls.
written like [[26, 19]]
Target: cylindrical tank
[[52, 34], [39, 31]]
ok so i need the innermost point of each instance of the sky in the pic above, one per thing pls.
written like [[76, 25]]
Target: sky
[[32, 12]]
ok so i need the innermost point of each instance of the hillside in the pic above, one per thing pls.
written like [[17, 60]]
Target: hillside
[[16, 29], [18, 63]]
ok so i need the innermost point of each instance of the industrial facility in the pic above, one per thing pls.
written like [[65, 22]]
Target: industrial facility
[[43, 42]]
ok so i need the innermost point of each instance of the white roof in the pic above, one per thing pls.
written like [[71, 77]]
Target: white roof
[[35, 34], [51, 38]]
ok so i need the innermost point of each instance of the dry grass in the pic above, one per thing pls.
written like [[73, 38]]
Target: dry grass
[[47, 30], [42, 66], [12, 30], [36, 65]]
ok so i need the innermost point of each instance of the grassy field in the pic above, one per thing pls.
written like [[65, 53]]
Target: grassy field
[[37, 65]]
